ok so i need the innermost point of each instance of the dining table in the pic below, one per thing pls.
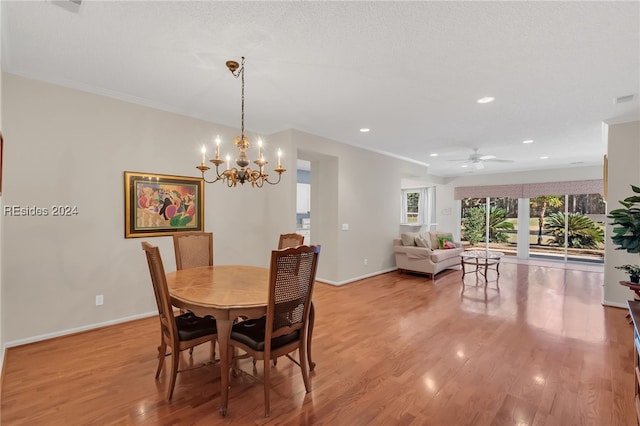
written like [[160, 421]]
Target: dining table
[[226, 292]]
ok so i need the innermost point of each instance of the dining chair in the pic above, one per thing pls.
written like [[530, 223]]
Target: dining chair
[[293, 240], [290, 240], [284, 327], [177, 332], [193, 249]]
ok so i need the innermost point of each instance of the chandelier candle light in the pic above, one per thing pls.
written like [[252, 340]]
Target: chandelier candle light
[[241, 174]]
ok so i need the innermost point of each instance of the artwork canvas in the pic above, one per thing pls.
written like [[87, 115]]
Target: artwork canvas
[[157, 204]]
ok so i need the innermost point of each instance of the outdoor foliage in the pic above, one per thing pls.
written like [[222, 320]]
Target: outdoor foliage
[[498, 224], [583, 232], [542, 203], [473, 223]]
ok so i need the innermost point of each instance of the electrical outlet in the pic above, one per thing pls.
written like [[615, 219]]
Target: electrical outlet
[[99, 300], [366, 261]]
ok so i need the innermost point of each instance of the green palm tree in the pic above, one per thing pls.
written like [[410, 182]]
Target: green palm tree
[[498, 224], [582, 231], [542, 203]]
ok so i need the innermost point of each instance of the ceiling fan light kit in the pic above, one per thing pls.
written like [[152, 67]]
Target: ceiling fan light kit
[[477, 160]]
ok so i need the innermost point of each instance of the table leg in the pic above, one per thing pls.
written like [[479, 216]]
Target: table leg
[[312, 318], [463, 270], [224, 334]]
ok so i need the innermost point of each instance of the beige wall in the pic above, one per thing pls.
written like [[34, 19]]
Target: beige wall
[[358, 188], [71, 147], [623, 151]]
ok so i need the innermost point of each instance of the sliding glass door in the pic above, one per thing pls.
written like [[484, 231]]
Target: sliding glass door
[[501, 217], [567, 227], [562, 221], [542, 242]]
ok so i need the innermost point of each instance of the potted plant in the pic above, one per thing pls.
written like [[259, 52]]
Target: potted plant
[[626, 230], [633, 271]]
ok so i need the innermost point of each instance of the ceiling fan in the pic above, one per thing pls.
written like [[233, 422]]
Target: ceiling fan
[[476, 160]]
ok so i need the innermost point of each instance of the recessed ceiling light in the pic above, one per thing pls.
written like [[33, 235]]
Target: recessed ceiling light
[[544, 157], [485, 100], [435, 154], [365, 130], [465, 165], [528, 141]]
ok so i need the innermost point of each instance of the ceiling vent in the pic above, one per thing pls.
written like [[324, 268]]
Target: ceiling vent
[[622, 99], [70, 5]]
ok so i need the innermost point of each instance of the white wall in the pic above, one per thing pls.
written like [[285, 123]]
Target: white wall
[[623, 152], [71, 147]]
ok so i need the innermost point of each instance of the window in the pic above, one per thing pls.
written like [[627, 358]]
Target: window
[[418, 206]]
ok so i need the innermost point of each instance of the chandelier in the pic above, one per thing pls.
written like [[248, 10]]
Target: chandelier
[[242, 173]]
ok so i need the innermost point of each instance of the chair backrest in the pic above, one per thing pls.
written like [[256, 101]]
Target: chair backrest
[[291, 281], [163, 300], [193, 249], [290, 240]]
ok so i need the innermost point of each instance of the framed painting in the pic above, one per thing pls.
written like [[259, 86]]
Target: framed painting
[[157, 204]]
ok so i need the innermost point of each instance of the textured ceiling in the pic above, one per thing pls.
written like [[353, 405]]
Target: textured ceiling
[[409, 71]]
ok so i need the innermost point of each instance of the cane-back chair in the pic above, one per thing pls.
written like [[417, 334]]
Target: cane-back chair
[[176, 332], [284, 327]]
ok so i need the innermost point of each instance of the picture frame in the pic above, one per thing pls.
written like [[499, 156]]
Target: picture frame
[[157, 204]]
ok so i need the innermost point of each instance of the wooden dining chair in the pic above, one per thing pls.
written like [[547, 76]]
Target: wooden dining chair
[[290, 240], [177, 332], [293, 240], [193, 249], [284, 327]]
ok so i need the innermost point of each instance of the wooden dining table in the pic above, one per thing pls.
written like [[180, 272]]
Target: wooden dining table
[[225, 292]]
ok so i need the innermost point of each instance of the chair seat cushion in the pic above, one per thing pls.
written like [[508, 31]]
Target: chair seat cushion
[[191, 326], [251, 333]]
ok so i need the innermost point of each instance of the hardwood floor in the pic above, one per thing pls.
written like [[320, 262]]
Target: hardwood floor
[[396, 349]]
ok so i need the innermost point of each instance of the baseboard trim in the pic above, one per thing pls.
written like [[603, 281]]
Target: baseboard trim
[[48, 336], [350, 280], [615, 304]]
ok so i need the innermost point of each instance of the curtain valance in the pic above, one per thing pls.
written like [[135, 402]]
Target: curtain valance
[[530, 190]]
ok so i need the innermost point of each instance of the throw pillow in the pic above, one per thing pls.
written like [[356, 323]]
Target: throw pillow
[[435, 243], [408, 238], [426, 236], [421, 242], [446, 242], [449, 244]]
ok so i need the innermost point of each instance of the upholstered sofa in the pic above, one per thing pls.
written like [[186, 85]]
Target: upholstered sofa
[[425, 252]]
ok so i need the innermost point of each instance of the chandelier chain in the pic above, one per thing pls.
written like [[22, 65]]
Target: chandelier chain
[[242, 105]]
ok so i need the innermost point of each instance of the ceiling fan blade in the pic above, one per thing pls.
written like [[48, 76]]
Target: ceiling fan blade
[[498, 160], [486, 157]]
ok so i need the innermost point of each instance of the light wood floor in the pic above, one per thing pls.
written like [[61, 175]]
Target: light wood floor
[[396, 349]]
